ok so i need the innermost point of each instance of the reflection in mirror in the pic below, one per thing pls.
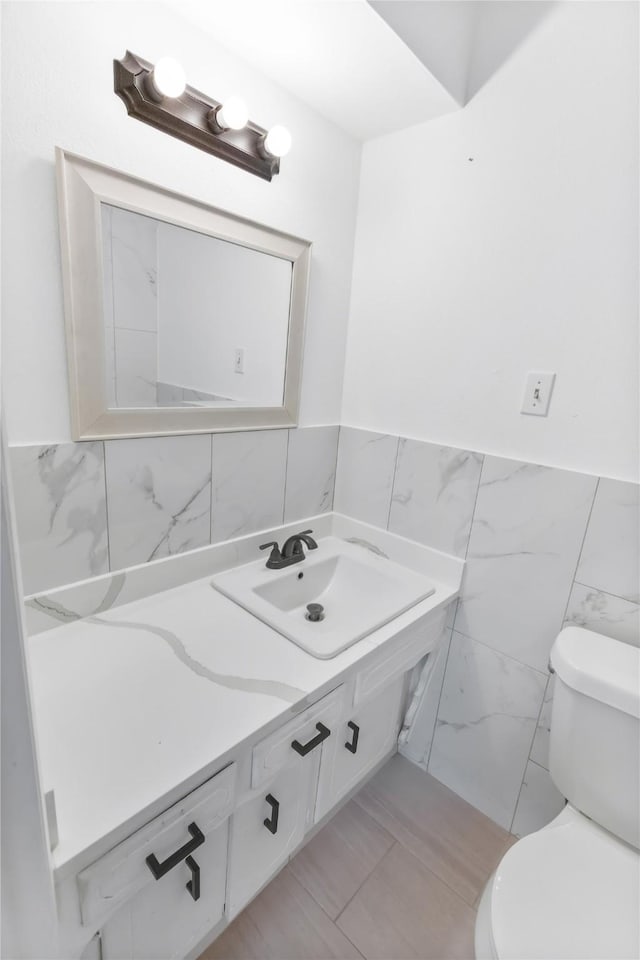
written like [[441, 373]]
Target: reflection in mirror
[[190, 319]]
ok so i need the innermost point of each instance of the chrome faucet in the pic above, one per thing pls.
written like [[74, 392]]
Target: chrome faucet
[[292, 550]]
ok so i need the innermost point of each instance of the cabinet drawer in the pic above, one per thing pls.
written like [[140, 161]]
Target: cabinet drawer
[[406, 649], [364, 736], [257, 849], [276, 751], [163, 921], [119, 874]]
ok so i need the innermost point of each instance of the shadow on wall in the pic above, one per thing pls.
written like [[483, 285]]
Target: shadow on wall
[[466, 42], [500, 30]]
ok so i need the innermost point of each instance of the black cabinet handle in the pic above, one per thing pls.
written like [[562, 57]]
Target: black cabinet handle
[[353, 746], [271, 823], [193, 885], [304, 748], [159, 869]]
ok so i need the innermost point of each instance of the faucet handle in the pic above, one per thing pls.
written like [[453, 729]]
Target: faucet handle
[[275, 556]]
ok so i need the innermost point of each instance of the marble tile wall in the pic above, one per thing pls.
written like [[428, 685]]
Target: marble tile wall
[[544, 547], [83, 509], [130, 299]]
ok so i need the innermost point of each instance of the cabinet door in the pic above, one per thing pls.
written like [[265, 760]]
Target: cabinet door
[[163, 920], [258, 849], [363, 737]]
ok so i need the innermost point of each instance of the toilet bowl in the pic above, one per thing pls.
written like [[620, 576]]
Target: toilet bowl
[[572, 889]]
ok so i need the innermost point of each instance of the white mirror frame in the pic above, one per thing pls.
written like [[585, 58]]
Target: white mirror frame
[[83, 186]]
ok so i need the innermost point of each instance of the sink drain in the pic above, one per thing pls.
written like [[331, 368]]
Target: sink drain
[[315, 612]]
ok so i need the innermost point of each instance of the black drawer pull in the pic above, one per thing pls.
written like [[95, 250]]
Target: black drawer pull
[[304, 748], [353, 746], [271, 823], [193, 885], [159, 869]]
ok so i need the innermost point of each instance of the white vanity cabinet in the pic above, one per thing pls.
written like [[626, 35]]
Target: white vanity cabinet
[[364, 735], [272, 821], [267, 827], [233, 833], [164, 920], [371, 717], [169, 878]]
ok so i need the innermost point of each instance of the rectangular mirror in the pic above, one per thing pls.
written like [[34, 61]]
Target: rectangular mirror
[[180, 318]]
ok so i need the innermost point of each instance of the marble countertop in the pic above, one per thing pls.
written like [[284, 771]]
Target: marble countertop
[[137, 705]]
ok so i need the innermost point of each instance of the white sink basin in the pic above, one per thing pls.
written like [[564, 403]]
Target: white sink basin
[[359, 590]]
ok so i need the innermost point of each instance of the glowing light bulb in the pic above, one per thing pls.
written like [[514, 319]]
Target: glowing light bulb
[[233, 114], [278, 141], [167, 78]]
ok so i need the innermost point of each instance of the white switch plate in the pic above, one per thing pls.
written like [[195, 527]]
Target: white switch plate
[[537, 393], [238, 364]]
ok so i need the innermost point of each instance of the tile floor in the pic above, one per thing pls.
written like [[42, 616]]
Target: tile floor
[[396, 874]]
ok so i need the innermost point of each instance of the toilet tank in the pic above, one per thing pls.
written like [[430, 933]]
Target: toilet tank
[[594, 753]]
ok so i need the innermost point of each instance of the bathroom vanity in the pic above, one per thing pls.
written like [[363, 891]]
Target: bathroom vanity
[[191, 749]]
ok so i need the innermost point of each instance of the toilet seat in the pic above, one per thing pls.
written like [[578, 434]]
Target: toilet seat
[[568, 892]]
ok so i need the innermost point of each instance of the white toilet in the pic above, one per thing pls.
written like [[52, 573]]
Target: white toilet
[[572, 890]]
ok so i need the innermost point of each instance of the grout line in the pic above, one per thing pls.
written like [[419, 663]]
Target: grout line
[[466, 551], [584, 537], [409, 850], [335, 470], [393, 483], [212, 487], [536, 764], [338, 459], [444, 677], [349, 940], [370, 874], [544, 695], [616, 596], [529, 760], [501, 653], [332, 920], [106, 504], [286, 475], [475, 504], [515, 809]]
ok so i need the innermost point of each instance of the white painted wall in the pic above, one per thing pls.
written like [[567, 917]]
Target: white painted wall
[[215, 297], [57, 88], [469, 273]]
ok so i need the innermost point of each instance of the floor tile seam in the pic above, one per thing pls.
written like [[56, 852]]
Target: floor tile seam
[[360, 885], [418, 839], [413, 836], [376, 822], [439, 879], [331, 920], [368, 877], [302, 884]]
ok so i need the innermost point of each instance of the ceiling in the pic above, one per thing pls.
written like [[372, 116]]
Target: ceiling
[[338, 56], [371, 67]]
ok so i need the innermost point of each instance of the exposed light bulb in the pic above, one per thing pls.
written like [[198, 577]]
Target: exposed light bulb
[[277, 142], [167, 78], [232, 115]]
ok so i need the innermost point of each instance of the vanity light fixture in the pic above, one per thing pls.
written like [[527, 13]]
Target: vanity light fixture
[[277, 142], [160, 97], [232, 115], [167, 79]]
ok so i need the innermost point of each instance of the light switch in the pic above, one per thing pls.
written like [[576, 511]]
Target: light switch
[[537, 393], [238, 363]]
